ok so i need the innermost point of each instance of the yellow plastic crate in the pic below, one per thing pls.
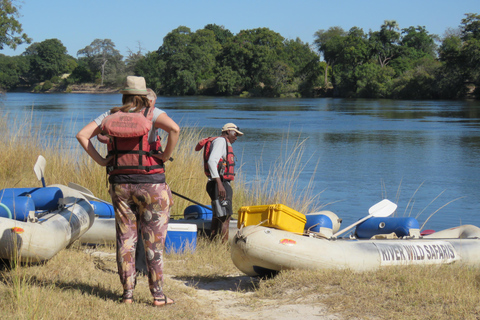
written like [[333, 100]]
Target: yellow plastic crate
[[276, 216]]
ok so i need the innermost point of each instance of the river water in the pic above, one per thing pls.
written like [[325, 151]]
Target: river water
[[422, 155]]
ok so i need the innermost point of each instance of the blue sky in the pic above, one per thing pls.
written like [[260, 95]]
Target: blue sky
[[127, 23]]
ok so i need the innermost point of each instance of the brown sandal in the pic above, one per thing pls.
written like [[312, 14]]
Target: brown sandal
[[164, 300]]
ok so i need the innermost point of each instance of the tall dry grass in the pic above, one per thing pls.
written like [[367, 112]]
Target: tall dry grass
[[279, 182]]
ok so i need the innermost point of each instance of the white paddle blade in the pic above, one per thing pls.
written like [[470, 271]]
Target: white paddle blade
[[39, 167], [79, 188], [382, 209], [86, 193]]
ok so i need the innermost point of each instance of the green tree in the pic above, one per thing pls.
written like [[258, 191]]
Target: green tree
[[460, 54], [385, 43], [356, 52], [132, 59], [10, 29], [313, 73], [12, 71], [471, 49], [253, 54], [298, 55], [150, 67], [451, 76], [416, 44], [330, 44], [82, 73], [203, 50], [471, 27], [419, 41], [418, 82], [222, 35], [187, 61], [227, 81], [304, 63], [450, 47], [48, 58], [374, 81], [98, 53], [173, 59]]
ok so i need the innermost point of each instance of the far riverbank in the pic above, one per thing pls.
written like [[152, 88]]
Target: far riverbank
[[90, 88]]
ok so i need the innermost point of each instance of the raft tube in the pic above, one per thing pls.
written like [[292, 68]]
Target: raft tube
[[259, 251], [44, 234]]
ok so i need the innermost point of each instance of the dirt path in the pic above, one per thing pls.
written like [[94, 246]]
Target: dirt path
[[230, 297]]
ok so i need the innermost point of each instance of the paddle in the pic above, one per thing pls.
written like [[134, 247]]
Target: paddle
[[87, 193], [382, 209], [201, 205], [39, 168]]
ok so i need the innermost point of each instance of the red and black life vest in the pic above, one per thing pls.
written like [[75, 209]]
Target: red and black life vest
[[128, 142], [225, 167]]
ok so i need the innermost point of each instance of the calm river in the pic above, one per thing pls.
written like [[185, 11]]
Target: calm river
[[423, 152]]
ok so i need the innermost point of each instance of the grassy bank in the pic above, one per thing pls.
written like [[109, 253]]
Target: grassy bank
[[81, 282]]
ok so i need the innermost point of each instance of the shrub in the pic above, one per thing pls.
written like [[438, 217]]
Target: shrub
[[47, 85]]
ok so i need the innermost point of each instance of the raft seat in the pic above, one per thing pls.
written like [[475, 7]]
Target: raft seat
[[325, 223], [16, 203], [401, 226]]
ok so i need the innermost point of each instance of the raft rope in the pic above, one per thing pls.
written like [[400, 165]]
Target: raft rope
[[8, 210]]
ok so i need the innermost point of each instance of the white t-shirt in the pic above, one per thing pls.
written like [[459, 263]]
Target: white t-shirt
[[152, 135], [219, 151]]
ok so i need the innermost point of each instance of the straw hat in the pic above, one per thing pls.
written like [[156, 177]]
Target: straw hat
[[135, 85], [231, 126]]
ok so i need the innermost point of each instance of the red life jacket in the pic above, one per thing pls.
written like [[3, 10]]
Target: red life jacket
[[225, 167], [128, 143]]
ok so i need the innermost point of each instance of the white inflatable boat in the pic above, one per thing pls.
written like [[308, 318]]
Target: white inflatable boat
[[259, 251], [103, 229], [377, 241], [36, 223]]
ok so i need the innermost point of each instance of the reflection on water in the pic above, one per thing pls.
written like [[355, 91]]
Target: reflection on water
[[420, 154]]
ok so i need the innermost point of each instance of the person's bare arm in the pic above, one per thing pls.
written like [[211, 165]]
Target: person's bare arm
[[83, 136], [165, 123]]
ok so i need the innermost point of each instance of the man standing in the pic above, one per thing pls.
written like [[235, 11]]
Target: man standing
[[219, 165]]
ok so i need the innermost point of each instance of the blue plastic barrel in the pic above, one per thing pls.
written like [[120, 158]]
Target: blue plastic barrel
[[198, 212], [16, 207], [103, 210], [317, 221], [43, 198], [373, 226]]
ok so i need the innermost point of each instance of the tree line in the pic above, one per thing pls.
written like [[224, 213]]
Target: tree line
[[396, 63]]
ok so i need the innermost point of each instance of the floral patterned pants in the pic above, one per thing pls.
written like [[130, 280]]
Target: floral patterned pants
[[144, 207]]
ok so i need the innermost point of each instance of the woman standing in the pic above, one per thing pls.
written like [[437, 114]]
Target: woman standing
[[140, 195]]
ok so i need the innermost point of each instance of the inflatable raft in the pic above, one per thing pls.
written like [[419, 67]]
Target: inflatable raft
[[377, 242], [36, 223], [103, 229]]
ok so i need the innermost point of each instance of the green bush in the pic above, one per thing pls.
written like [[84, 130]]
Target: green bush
[[47, 85], [55, 79]]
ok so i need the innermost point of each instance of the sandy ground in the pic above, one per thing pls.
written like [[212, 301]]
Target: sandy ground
[[229, 297], [230, 303]]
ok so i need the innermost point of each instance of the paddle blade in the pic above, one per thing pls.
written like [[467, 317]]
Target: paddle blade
[[86, 192], [382, 209], [79, 188], [39, 168]]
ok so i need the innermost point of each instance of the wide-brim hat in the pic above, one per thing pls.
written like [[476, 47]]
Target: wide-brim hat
[[231, 126], [135, 86]]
